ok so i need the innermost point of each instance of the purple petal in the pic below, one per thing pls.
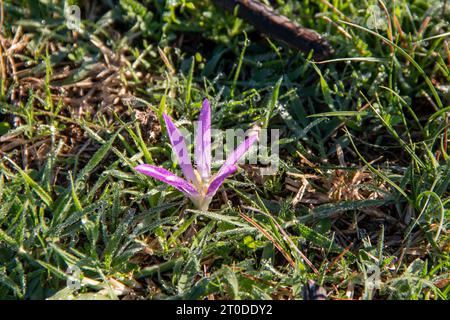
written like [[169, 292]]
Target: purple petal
[[219, 178], [203, 142], [168, 177], [234, 157], [180, 149]]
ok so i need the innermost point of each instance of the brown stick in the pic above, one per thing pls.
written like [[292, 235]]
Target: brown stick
[[278, 27]]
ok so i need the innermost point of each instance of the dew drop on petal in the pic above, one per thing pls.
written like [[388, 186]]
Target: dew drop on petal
[[171, 178]]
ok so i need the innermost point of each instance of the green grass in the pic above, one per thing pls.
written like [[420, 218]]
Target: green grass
[[364, 175]]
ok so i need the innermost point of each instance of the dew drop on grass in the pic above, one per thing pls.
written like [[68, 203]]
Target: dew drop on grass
[[138, 228], [256, 98], [167, 256]]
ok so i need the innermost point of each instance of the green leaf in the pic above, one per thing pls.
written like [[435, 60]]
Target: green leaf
[[95, 160], [272, 102], [45, 197], [339, 114]]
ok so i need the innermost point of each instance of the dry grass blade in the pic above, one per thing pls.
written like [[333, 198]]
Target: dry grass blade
[[270, 238]]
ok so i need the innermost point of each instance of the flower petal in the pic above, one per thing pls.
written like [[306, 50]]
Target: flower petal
[[180, 149], [219, 178], [168, 177], [234, 156], [203, 142]]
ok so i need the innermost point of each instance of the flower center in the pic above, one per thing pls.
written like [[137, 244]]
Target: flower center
[[200, 184]]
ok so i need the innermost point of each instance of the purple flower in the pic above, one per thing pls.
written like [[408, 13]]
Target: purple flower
[[199, 185]]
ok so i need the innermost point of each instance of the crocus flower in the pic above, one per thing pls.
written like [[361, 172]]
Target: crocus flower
[[199, 185]]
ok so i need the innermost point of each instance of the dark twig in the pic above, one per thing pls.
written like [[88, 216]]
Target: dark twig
[[278, 27]]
